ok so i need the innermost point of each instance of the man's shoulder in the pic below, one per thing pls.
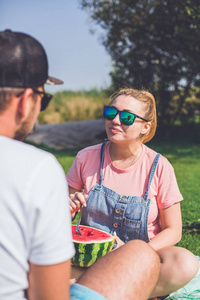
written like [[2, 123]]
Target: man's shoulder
[[33, 151], [22, 152]]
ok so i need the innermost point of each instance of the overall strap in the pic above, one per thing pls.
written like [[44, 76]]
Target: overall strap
[[151, 175], [101, 162]]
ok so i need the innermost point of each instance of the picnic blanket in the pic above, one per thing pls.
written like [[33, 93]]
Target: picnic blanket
[[190, 291]]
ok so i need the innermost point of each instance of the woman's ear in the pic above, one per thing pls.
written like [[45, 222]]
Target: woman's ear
[[24, 104], [146, 127]]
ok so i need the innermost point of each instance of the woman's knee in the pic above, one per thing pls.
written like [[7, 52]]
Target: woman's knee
[[182, 263], [189, 265], [144, 251]]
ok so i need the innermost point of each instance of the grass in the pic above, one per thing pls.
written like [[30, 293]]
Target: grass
[[185, 158], [184, 155]]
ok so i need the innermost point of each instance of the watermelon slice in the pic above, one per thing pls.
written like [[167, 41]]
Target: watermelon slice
[[90, 245]]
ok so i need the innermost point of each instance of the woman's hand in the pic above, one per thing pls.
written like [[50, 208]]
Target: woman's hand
[[118, 241], [77, 200]]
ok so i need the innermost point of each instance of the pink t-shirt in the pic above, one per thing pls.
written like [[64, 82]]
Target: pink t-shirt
[[133, 181]]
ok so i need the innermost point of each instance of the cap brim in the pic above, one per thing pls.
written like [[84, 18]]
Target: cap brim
[[53, 81]]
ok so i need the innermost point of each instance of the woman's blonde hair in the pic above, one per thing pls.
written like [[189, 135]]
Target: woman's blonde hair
[[150, 113]]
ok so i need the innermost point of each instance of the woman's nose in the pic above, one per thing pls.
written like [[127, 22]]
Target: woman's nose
[[116, 120]]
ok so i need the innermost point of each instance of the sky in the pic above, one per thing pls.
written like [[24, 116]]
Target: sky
[[74, 54]]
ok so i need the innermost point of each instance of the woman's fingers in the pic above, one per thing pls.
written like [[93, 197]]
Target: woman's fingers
[[118, 240], [73, 207], [77, 200], [78, 196]]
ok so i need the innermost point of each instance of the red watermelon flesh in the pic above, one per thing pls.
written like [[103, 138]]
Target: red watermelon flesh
[[89, 234]]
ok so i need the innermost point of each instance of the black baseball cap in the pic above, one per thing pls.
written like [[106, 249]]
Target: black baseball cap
[[23, 61]]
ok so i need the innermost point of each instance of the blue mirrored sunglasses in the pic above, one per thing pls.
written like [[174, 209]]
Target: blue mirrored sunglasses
[[126, 117]]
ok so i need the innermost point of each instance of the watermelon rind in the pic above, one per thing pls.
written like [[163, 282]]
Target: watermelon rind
[[90, 251]]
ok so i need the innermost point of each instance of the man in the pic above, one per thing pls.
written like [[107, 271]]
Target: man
[[35, 231]]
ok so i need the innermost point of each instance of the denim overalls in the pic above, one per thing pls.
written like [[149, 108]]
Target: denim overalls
[[111, 212]]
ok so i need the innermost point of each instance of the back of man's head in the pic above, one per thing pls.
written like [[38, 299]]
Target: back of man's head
[[23, 61], [23, 64]]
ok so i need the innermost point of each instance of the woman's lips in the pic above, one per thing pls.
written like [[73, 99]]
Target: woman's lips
[[114, 129]]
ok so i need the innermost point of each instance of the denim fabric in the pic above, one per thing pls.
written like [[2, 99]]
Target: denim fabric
[[80, 292], [111, 212]]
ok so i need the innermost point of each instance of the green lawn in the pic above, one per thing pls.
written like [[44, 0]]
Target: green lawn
[[184, 155], [185, 158]]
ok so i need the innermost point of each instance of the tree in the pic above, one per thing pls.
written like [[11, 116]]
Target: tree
[[154, 44]]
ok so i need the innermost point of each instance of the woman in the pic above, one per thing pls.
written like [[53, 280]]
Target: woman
[[131, 189]]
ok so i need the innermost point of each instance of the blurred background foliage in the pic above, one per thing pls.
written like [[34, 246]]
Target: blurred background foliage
[[74, 106], [88, 105], [153, 45]]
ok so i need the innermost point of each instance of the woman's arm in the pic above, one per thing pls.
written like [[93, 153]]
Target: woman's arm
[[171, 224]]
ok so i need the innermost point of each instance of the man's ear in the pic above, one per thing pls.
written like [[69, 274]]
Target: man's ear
[[24, 103], [146, 127]]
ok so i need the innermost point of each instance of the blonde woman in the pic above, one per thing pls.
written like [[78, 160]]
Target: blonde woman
[[131, 190]]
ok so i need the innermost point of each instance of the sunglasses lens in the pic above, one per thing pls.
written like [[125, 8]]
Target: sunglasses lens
[[127, 118], [45, 101], [110, 113]]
